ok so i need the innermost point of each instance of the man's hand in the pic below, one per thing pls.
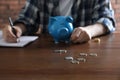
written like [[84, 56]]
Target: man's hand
[[9, 36], [84, 34], [80, 35]]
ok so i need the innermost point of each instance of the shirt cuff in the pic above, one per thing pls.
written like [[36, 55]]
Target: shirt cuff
[[108, 24]]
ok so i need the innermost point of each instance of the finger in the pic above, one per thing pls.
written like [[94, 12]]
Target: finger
[[72, 35], [18, 32], [15, 37], [13, 40], [9, 32], [83, 37], [8, 35], [75, 34], [79, 39]]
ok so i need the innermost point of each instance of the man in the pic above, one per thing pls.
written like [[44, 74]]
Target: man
[[91, 18]]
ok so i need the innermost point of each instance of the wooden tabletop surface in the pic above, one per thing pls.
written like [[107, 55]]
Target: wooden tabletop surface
[[39, 61]]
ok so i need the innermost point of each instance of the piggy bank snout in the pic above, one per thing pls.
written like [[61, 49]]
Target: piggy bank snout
[[63, 33]]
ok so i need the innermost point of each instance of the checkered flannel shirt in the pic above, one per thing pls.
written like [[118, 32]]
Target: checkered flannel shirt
[[84, 12]]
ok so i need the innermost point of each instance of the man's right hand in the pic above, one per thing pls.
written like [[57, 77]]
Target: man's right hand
[[9, 36]]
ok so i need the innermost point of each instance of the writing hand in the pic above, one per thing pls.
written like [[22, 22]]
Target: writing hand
[[9, 36]]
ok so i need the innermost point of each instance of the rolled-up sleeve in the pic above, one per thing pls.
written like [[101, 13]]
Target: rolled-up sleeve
[[28, 16], [105, 14]]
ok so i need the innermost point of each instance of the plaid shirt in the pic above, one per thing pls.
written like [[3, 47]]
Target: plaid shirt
[[84, 12]]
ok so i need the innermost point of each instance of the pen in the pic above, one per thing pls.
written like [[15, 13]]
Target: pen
[[11, 24]]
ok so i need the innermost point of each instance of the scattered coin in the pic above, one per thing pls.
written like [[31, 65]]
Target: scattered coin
[[81, 59], [68, 58], [83, 54], [60, 51], [75, 62], [93, 54], [97, 40]]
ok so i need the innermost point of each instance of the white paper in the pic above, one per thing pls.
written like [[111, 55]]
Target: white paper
[[0, 34], [24, 40]]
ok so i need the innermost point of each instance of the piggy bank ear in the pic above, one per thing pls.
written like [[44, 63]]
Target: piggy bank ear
[[69, 19], [51, 20]]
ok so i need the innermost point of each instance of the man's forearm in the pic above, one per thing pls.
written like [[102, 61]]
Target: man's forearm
[[96, 30]]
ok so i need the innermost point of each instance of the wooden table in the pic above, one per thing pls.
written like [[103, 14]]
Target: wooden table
[[38, 61]]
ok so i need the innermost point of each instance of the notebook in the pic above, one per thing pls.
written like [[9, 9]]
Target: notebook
[[24, 40]]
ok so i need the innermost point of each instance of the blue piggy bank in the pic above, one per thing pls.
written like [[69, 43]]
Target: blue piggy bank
[[60, 28]]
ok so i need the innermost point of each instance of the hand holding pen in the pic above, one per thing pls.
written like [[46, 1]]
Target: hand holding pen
[[13, 29]]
